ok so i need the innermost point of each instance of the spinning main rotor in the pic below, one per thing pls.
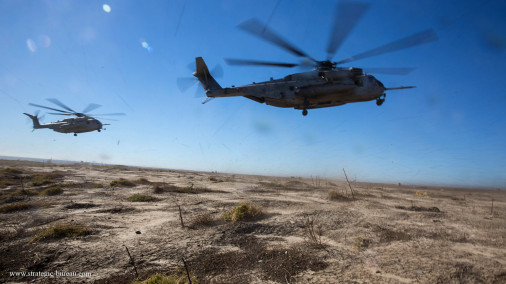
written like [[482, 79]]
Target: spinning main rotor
[[69, 111], [346, 18]]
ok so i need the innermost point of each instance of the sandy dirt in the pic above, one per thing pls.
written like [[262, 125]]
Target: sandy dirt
[[386, 234]]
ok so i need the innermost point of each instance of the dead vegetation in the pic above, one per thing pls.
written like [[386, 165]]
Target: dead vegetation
[[419, 208], [279, 264], [313, 231], [142, 198], [200, 220], [335, 195]]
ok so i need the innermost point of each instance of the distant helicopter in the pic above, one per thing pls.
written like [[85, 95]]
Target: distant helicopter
[[83, 122], [327, 85]]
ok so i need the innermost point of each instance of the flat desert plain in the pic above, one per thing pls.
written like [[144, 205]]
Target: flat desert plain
[[82, 223]]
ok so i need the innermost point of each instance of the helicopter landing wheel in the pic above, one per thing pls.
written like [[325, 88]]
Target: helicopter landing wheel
[[379, 101], [304, 112], [75, 134], [98, 130]]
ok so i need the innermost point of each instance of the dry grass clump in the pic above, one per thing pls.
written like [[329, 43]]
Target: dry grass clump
[[178, 277], [19, 206], [215, 179], [60, 231], [143, 181], [360, 243], [9, 176], [337, 196], [19, 192], [162, 188], [243, 212], [142, 198], [422, 193], [202, 220], [51, 191], [158, 189], [44, 178], [121, 182]]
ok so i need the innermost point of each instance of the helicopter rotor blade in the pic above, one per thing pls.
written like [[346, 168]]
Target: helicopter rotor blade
[[105, 114], [56, 113], [390, 71], [400, 88], [60, 104], [422, 37], [232, 61], [255, 27], [347, 15], [184, 83], [90, 107], [64, 111]]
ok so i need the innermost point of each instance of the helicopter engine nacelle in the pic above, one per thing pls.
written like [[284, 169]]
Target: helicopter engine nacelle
[[327, 89], [343, 74]]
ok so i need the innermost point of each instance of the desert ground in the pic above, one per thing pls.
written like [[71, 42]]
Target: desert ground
[[82, 223]]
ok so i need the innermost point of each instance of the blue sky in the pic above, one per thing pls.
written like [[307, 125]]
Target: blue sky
[[451, 129]]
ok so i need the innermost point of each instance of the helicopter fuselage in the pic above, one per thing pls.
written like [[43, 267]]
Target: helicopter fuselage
[[73, 125], [310, 90]]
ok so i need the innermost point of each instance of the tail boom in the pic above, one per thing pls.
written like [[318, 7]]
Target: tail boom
[[35, 119], [206, 79]]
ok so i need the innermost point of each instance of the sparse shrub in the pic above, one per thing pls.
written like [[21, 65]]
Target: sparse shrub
[[142, 198], [51, 191], [337, 196], [313, 231], [243, 212], [97, 185], [121, 182], [60, 231], [360, 243], [202, 220]]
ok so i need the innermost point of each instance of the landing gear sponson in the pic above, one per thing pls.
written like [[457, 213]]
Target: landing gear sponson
[[306, 105], [380, 100]]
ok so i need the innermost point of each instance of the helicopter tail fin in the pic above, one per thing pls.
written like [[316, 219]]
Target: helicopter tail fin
[[35, 120], [206, 79]]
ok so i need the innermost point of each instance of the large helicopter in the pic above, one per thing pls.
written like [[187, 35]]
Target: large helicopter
[[327, 84], [82, 122]]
